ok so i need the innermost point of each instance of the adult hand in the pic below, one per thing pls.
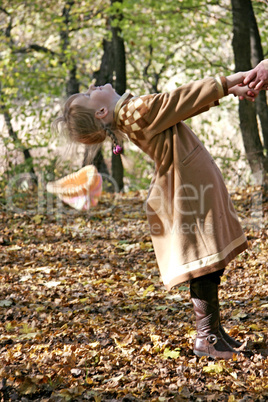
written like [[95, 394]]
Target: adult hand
[[258, 77]]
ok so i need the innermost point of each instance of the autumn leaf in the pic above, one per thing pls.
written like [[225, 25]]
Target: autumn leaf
[[5, 303], [213, 368], [37, 219], [84, 314], [147, 290], [173, 354]]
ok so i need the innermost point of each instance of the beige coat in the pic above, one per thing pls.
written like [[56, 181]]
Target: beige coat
[[194, 227]]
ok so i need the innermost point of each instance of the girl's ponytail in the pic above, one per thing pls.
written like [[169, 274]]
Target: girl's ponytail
[[117, 149]]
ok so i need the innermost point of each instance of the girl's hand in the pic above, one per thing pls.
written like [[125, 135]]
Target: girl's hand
[[244, 92]]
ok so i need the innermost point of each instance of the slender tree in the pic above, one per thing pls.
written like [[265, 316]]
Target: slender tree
[[4, 109], [112, 69], [72, 83], [256, 56], [120, 86], [102, 76], [247, 112]]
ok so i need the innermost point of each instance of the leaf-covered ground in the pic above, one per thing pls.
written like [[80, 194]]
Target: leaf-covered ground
[[84, 315]]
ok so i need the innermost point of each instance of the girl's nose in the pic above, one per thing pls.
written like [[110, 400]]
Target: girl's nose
[[90, 89]]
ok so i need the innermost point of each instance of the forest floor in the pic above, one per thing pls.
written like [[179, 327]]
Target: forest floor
[[84, 315]]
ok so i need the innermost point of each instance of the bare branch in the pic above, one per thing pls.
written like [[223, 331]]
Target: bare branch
[[36, 48], [4, 11], [7, 31]]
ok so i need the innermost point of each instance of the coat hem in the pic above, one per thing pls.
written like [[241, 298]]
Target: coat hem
[[209, 269]]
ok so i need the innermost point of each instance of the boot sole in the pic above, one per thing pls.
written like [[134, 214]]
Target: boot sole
[[201, 354]]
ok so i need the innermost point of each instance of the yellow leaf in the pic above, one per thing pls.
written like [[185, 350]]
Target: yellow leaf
[[37, 219], [254, 327], [192, 333], [51, 284], [155, 338], [213, 368], [238, 315], [14, 248], [149, 289], [84, 300], [232, 398], [94, 345], [234, 374], [146, 246], [223, 279], [54, 62], [173, 354]]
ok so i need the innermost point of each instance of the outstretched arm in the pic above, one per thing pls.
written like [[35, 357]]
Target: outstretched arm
[[258, 77]]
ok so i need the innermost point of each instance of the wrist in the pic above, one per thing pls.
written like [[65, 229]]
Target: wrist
[[234, 79]]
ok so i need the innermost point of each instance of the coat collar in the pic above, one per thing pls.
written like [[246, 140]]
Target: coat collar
[[122, 101]]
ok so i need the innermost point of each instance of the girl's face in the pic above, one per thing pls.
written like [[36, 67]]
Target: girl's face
[[96, 97]]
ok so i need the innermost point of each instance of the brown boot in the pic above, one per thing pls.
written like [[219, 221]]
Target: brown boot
[[209, 341], [231, 341]]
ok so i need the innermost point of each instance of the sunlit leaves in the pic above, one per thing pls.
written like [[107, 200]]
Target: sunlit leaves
[[84, 315]]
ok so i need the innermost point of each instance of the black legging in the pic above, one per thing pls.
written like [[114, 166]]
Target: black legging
[[215, 277]]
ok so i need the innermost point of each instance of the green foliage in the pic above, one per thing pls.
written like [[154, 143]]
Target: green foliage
[[42, 41]]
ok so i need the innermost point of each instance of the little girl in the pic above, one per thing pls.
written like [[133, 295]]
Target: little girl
[[195, 230]]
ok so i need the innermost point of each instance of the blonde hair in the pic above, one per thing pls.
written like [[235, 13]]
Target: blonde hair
[[79, 124]]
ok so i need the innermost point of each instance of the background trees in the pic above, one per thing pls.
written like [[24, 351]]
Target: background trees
[[247, 52], [51, 49]]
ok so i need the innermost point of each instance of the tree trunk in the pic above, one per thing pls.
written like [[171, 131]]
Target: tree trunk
[[14, 136], [102, 76], [5, 111], [72, 84], [120, 87], [256, 57], [105, 73], [247, 112], [113, 64]]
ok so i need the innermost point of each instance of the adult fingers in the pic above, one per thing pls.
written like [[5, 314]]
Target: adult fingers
[[259, 85], [251, 76], [253, 84]]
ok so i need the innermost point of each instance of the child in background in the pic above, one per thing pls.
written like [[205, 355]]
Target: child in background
[[194, 227]]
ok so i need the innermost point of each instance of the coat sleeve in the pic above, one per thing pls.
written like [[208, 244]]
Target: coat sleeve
[[204, 109], [167, 109]]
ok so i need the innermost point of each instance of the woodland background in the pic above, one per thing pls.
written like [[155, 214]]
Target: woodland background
[[52, 49], [83, 313]]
